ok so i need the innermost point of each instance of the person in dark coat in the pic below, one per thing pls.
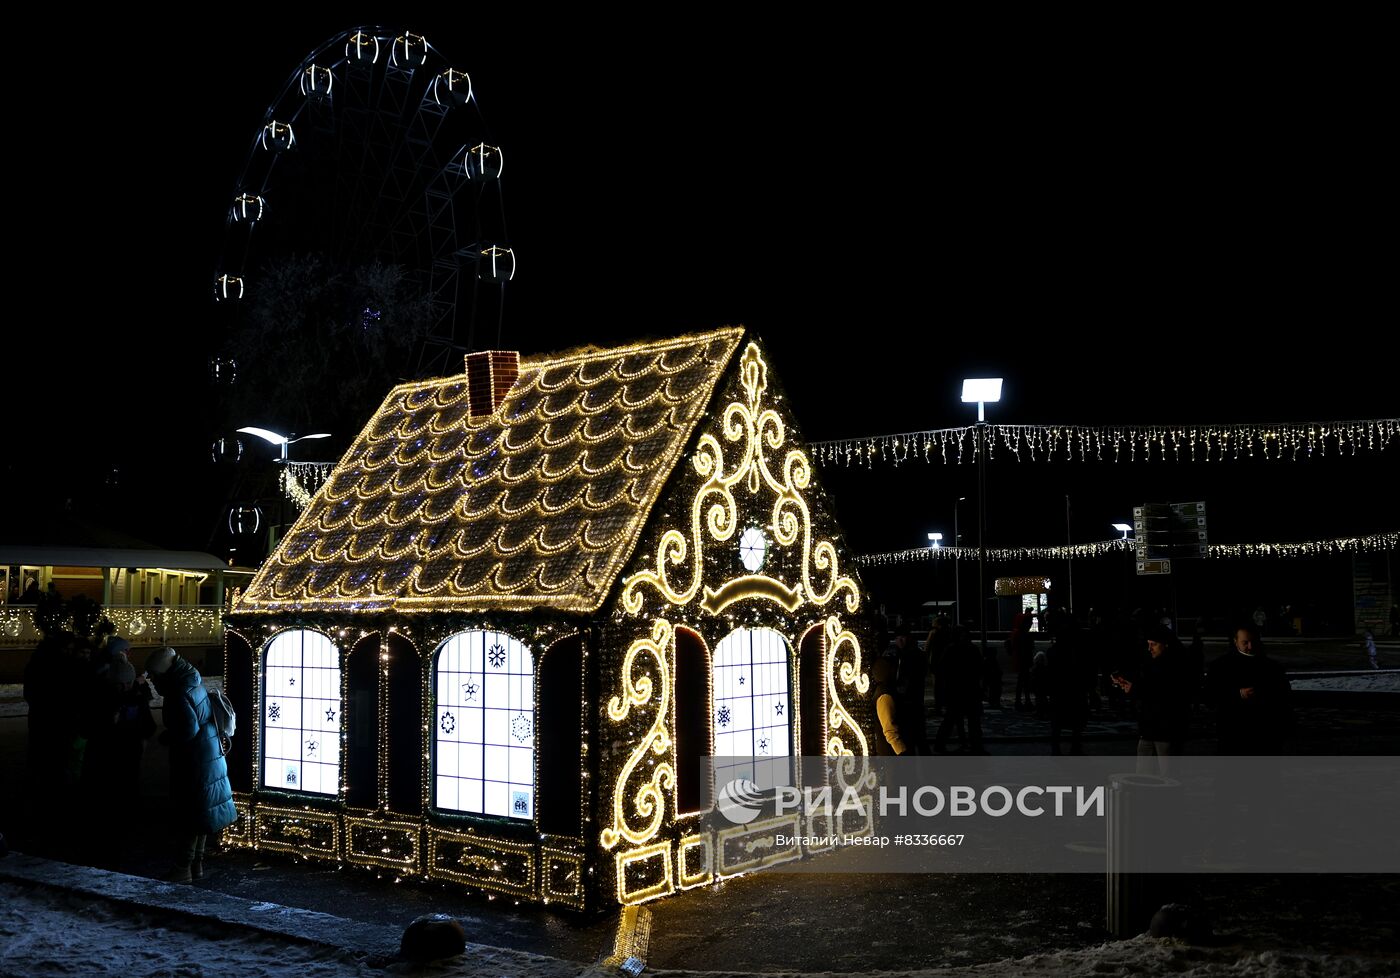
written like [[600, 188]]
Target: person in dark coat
[[1069, 676], [913, 677], [1021, 644], [53, 690], [1162, 689], [200, 794], [1250, 692], [962, 670]]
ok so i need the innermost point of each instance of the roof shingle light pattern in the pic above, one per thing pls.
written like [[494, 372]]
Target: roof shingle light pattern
[[537, 506]]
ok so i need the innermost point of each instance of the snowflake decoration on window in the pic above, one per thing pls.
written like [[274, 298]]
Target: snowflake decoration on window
[[763, 745], [496, 656], [778, 707], [291, 775], [470, 690], [448, 723], [724, 716], [520, 727], [330, 714], [274, 712], [311, 746]]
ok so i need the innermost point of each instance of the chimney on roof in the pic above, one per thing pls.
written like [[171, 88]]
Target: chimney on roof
[[490, 376]]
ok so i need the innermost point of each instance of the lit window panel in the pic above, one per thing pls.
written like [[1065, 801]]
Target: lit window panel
[[484, 726], [301, 713], [752, 709]]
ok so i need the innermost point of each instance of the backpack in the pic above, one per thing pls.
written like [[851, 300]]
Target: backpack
[[222, 716]]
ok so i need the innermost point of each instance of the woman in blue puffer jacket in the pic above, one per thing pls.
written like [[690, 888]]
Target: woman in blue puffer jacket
[[199, 788]]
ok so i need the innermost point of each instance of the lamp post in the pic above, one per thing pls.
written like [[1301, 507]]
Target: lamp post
[[1069, 555], [957, 569], [935, 540], [282, 441], [1122, 528], [981, 391]]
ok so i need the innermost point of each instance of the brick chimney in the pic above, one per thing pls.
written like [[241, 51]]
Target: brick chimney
[[490, 376]]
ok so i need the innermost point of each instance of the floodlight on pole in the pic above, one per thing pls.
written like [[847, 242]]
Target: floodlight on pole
[[933, 539], [1123, 528], [981, 391]]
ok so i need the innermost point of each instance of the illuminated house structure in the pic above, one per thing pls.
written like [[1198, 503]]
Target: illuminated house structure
[[524, 605]]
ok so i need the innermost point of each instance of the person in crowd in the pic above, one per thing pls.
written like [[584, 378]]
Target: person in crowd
[[913, 677], [890, 741], [1373, 655], [1162, 690], [962, 665], [1021, 645], [1251, 696], [1069, 676], [200, 796]]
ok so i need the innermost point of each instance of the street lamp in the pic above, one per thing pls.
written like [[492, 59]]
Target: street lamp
[[282, 440], [934, 539], [981, 390], [1123, 528]]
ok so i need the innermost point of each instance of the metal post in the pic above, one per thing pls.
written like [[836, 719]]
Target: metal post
[[1069, 558], [957, 570], [982, 526]]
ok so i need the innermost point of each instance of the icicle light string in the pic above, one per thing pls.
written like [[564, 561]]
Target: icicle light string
[[1375, 542], [301, 480], [1117, 443]]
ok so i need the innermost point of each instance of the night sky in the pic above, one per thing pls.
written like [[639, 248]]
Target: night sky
[[1125, 236]]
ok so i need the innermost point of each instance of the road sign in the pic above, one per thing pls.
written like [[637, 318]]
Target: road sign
[[1167, 531]]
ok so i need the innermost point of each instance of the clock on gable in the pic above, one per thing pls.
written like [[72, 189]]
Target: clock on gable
[[753, 548]]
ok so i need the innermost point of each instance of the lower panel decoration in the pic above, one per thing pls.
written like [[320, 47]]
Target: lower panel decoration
[[492, 864], [240, 833], [694, 862], [645, 873], [820, 826], [562, 877], [858, 824], [305, 833], [373, 841], [753, 846]]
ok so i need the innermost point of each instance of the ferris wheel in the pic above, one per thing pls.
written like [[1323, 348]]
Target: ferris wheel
[[375, 150], [374, 153]]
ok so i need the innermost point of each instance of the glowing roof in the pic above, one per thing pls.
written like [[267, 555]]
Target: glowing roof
[[537, 506]]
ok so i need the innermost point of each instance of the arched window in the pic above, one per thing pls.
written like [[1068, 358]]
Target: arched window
[[753, 708], [484, 738], [301, 713]]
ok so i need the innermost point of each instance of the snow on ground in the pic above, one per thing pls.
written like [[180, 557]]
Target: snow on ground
[[1384, 681], [46, 933]]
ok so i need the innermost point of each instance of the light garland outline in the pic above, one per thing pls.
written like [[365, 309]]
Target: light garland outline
[[686, 880], [761, 830], [649, 801], [663, 887], [1272, 441], [851, 674], [756, 424], [1369, 543]]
